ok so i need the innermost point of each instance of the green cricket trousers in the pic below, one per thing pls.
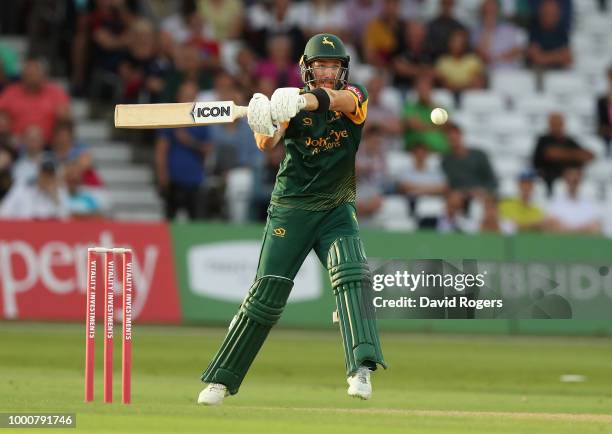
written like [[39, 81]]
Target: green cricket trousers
[[289, 236]]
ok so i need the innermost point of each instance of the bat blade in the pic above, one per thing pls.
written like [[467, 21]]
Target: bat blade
[[176, 115]]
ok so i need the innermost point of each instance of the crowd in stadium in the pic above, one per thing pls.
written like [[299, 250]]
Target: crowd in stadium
[[131, 51]]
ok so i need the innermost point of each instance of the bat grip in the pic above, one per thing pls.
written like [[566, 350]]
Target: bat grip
[[240, 111]]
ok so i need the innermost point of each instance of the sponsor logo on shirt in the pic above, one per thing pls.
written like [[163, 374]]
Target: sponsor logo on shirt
[[356, 91], [332, 140], [307, 122]]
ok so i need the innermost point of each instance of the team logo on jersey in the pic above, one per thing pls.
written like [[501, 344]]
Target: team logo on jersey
[[307, 122], [328, 42], [356, 91], [279, 232]]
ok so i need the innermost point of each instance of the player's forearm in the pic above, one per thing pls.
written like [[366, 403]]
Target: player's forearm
[[265, 143], [339, 100]]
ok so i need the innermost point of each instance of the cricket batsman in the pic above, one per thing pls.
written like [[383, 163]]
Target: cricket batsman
[[312, 207]]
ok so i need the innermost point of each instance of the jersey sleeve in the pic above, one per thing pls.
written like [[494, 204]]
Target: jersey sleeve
[[360, 94]]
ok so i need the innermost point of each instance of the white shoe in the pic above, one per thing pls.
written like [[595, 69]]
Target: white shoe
[[359, 384], [213, 394]]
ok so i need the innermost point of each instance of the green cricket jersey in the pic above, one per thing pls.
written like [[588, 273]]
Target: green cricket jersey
[[318, 172]]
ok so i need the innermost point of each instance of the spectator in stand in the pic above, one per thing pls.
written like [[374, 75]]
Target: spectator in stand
[[604, 114], [549, 44], [8, 153], [8, 156], [454, 218], [360, 13], [44, 198], [233, 143], [179, 160], [246, 61], [189, 27], [9, 66], [224, 85], [440, 29], [324, 16], [566, 10], [491, 221], [467, 170], [276, 17], [279, 65], [422, 177], [188, 67], [571, 213], [460, 69], [417, 124], [380, 40], [68, 151], [141, 69], [521, 211], [31, 153], [99, 41], [7, 140], [500, 44], [412, 58], [555, 151], [82, 202], [371, 172], [264, 177], [224, 17], [603, 5], [412, 9], [266, 86], [383, 105], [35, 100]]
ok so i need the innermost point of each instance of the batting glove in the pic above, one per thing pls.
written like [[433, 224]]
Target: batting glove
[[285, 103], [258, 115]]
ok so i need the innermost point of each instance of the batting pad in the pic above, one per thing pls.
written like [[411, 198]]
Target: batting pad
[[260, 310], [350, 278]]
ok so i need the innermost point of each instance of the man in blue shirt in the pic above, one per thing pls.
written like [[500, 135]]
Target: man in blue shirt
[[179, 160]]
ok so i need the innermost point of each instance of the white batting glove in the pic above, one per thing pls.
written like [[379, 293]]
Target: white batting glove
[[258, 115], [285, 103]]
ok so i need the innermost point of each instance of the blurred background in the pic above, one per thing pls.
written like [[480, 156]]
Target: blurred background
[[527, 84], [519, 179]]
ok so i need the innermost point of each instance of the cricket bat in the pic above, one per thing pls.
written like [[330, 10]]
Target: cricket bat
[[177, 115]]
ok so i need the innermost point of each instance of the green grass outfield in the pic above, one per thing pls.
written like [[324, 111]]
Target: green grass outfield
[[435, 384]]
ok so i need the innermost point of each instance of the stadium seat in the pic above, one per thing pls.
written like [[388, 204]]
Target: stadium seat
[[393, 215], [513, 83], [540, 196], [506, 167], [397, 163], [482, 102], [563, 85], [508, 188], [588, 189], [485, 142], [229, 49], [509, 123], [594, 144], [134, 174], [392, 98], [429, 206], [599, 170], [443, 98], [516, 145], [238, 193], [535, 109]]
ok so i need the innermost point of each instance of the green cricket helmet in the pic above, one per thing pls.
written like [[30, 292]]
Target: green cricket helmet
[[324, 46]]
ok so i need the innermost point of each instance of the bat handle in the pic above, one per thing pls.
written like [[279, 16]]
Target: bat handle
[[240, 111]]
